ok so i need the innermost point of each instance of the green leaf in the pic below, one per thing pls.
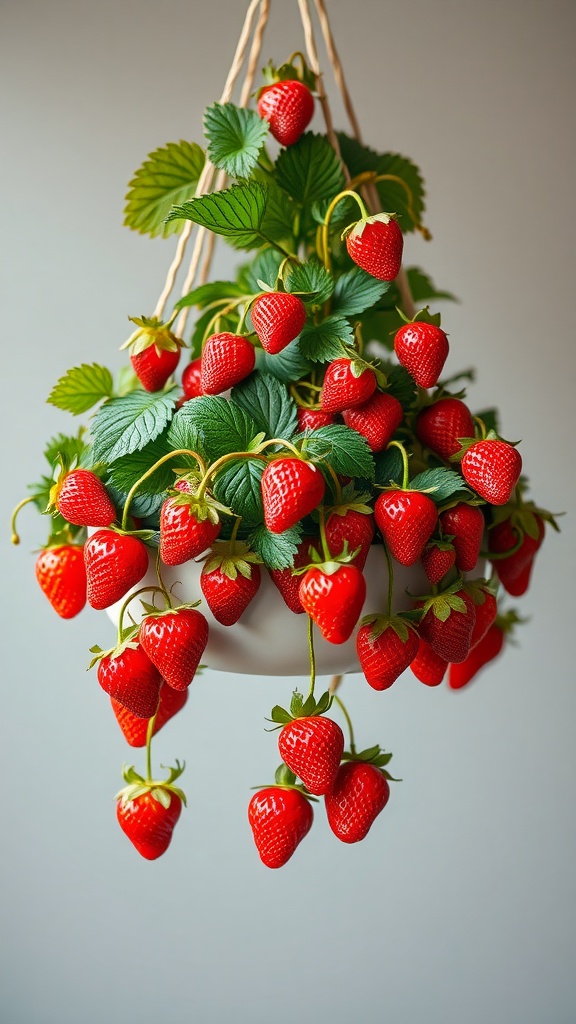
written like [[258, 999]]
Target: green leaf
[[490, 419], [287, 365], [277, 550], [264, 267], [357, 291], [235, 213], [345, 450], [81, 388], [389, 467], [237, 485], [225, 323], [401, 384], [212, 291], [423, 288], [267, 401], [124, 472], [310, 170], [235, 136], [320, 343], [169, 176], [393, 197], [278, 222], [214, 426], [128, 424], [312, 279], [381, 326], [74, 449], [440, 484]]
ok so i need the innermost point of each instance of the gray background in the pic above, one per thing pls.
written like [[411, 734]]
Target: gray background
[[460, 905]]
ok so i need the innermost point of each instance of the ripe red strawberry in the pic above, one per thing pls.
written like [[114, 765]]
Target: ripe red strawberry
[[515, 571], [229, 598], [154, 366], [356, 528], [183, 535], [450, 635], [334, 601], [422, 349], [312, 748], [148, 823], [493, 469], [135, 729], [115, 563], [343, 388], [278, 318], [486, 611], [486, 650], [406, 520], [428, 666], [174, 641], [385, 649], [279, 819], [440, 425], [83, 500], [375, 244], [437, 559], [191, 379], [61, 574], [291, 489], [465, 524], [359, 793], [132, 679], [312, 419], [377, 420], [287, 583], [288, 107], [226, 360]]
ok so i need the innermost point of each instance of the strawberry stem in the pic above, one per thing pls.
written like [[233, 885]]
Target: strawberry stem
[[342, 707], [285, 444], [390, 579], [222, 461], [148, 473], [234, 533], [149, 734], [15, 539], [325, 244], [143, 590], [163, 589], [400, 181], [404, 453], [312, 657], [327, 554], [224, 312]]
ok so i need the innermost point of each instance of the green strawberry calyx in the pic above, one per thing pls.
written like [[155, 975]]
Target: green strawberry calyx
[[201, 507], [301, 708], [326, 562], [446, 602], [152, 331], [400, 623], [284, 778], [288, 72], [160, 790], [352, 502], [372, 755], [423, 316], [232, 557]]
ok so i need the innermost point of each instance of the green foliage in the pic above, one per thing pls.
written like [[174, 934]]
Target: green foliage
[[320, 343], [169, 176], [310, 170], [440, 484], [401, 384], [312, 280], [279, 216], [235, 213], [267, 401], [235, 137], [125, 425], [357, 291], [81, 388], [213, 426], [277, 550], [74, 449], [345, 450], [393, 196], [423, 288], [237, 485], [389, 467], [263, 268], [288, 365], [124, 472], [209, 293]]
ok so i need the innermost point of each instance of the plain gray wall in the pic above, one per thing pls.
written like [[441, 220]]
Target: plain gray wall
[[459, 908]]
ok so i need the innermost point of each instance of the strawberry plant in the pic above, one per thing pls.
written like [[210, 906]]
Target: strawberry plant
[[297, 437]]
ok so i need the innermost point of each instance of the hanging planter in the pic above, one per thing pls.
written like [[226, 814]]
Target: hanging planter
[[293, 484]]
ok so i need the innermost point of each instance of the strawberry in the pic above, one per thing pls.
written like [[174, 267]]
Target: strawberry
[[229, 582], [128, 675], [278, 318], [486, 650], [406, 520], [465, 524], [385, 648], [289, 584], [188, 527], [174, 640], [375, 244], [154, 367], [115, 562], [80, 496], [492, 468], [447, 624], [422, 348], [440, 426], [346, 525], [61, 574], [377, 420], [148, 823], [333, 600], [514, 572], [192, 379], [279, 818], [347, 384], [312, 747], [135, 729], [291, 489], [288, 107], [486, 611], [226, 360], [428, 666], [438, 558], [359, 794], [312, 419]]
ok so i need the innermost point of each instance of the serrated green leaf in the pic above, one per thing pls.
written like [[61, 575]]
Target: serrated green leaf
[[237, 485], [124, 472], [389, 467], [185, 433], [264, 267], [310, 171], [287, 365], [169, 176], [218, 427], [401, 384], [74, 449], [235, 137], [440, 484], [277, 550], [279, 217], [235, 213], [423, 288], [393, 197], [381, 326], [357, 291], [127, 424], [345, 450], [320, 343], [81, 388], [269, 404], [313, 279], [211, 292], [145, 506]]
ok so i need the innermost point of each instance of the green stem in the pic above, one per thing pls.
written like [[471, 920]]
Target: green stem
[[15, 539], [286, 444], [223, 312], [279, 248], [322, 523], [163, 590], [143, 590], [160, 462], [221, 462], [326, 259], [149, 734], [390, 579], [404, 453], [234, 533], [335, 481], [312, 657], [342, 707]]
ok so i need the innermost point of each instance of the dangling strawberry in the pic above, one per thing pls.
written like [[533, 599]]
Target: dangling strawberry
[[347, 384], [81, 497], [288, 107], [447, 623], [386, 646], [438, 558], [147, 811], [174, 640], [465, 524], [492, 468], [428, 667], [135, 729], [514, 571], [226, 360], [422, 348], [377, 420], [230, 580], [333, 598], [61, 573], [127, 674], [188, 525], [441, 425], [312, 419], [406, 520], [309, 744], [375, 244], [115, 562], [280, 818], [192, 379], [486, 609], [351, 524], [154, 351], [486, 650], [291, 489], [359, 794], [287, 582], [278, 318]]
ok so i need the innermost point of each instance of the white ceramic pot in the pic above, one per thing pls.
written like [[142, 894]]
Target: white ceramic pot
[[269, 639]]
